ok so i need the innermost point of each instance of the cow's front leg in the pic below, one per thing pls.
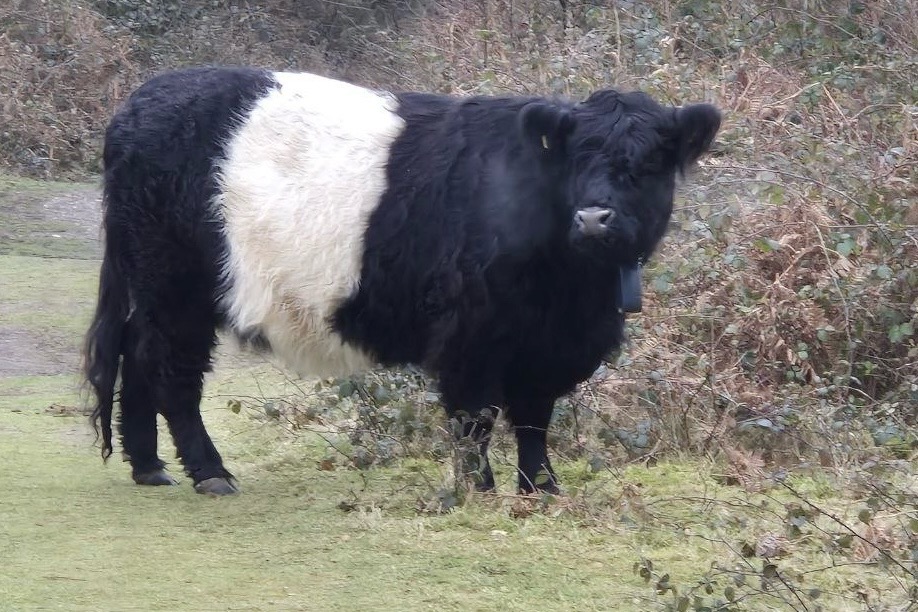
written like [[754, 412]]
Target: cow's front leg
[[530, 419], [473, 433]]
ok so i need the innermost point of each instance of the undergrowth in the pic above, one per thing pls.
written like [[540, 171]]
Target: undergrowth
[[764, 536]]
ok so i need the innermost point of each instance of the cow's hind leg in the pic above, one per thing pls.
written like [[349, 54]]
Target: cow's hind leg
[[137, 424], [164, 369], [191, 334], [200, 457], [174, 326]]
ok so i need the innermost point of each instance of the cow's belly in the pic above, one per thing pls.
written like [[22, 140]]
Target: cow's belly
[[304, 342]]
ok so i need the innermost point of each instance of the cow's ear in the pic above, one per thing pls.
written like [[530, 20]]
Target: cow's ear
[[696, 127], [545, 125]]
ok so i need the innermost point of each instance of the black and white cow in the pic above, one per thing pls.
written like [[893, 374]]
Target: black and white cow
[[494, 241]]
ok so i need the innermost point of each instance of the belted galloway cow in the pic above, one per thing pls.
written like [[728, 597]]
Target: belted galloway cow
[[495, 242]]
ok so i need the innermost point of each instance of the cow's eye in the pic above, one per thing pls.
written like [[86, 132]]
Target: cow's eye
[[624, 177]]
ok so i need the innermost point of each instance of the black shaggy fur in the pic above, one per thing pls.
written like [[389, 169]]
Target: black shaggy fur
[[473, 268], [160, 276], [493, 258]]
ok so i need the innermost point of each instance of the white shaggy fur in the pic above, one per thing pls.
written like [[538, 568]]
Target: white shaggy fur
[[299, 182]]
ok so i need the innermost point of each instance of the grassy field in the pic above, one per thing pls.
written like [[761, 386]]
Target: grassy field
[[78, 535]]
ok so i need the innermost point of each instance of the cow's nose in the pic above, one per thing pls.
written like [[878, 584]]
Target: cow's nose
[[593, 220]]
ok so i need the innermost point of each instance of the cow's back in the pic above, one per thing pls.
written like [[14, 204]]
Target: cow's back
[[171, 131]]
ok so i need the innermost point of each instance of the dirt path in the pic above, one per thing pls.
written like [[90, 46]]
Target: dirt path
[[54, 221], [49, 219], [80, 210]]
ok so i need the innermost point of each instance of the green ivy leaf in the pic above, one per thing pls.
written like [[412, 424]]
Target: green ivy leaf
[[662, 283], [272, 410], [663, 584], [596, 464], [645, 574], [346, 389], [775, 195], [766, 245], [895, 334], [845, 247], [770, 571]]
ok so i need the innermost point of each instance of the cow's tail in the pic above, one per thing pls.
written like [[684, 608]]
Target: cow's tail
[[103, 347]]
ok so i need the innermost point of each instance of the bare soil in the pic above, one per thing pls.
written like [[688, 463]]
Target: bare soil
[[80, 211], [28, 353], [57, 221]]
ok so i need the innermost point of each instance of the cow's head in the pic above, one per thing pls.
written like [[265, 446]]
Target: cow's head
[[620, 154]]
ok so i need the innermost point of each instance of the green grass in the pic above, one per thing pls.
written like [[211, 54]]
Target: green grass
[[48, 295], [78, 535], [81, 535]]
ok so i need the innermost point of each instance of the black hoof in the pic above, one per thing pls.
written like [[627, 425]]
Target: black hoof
[[156, 478], [486, 487], [477, 473], [216, 487], [483, 482], [544, 484]]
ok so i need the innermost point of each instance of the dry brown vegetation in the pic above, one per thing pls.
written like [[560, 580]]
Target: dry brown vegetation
[[779, 329]]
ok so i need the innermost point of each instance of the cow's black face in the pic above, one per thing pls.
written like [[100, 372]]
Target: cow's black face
[[619, 207], [621, 154]]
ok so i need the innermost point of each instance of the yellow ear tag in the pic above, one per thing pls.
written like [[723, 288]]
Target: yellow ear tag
[[545, 142]]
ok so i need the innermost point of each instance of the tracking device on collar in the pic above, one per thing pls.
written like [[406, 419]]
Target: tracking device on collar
[[629, 288]]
